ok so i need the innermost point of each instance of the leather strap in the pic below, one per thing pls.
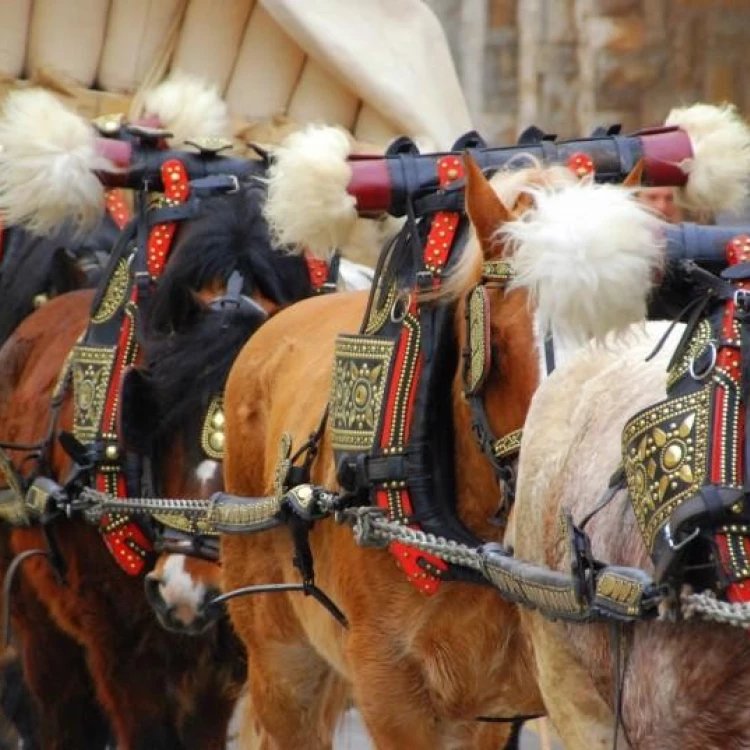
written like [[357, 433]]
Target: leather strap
[[117, 207], [125, 539]]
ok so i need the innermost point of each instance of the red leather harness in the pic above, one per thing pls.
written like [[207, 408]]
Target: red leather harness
[[422, 569], [125, 539]]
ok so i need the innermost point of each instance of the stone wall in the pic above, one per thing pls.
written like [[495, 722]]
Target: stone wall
[[568, 65]]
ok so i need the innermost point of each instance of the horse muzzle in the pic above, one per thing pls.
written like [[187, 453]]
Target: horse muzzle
[[180, 609]]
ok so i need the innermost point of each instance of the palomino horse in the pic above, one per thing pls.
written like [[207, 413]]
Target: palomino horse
[[654, 684], [421, 669], [157, 689]]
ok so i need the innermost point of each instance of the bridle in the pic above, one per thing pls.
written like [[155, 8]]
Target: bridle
[[501, 452]]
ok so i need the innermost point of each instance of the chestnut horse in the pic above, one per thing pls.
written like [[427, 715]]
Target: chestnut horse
[[682, 685], [420, 669], [182, 587], [94, 630]]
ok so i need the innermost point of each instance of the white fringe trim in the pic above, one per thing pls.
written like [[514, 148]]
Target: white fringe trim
[[719, 170], [188, 107], [308, 206]]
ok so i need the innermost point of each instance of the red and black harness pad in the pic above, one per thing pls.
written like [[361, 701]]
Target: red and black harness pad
[[422, 569], [727, 459], [126, 541]]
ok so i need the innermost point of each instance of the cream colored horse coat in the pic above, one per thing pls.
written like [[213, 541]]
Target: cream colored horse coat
[[686, 687]]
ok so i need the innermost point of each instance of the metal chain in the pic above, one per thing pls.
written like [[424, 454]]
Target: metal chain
[[707, 607], [96, 503], [371, 529]]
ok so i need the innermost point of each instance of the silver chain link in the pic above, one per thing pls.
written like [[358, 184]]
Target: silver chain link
[[101, 502], [707, 607], [372, 529]]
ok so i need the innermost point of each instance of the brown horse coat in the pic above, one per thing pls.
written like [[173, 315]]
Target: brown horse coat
[[158, 690], [412, 663]]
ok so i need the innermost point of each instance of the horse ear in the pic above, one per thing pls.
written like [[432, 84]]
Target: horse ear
[[634, 178], [486, 211], [524, 202]]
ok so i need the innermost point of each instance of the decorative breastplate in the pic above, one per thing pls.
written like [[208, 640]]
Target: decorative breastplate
[[685, 458]]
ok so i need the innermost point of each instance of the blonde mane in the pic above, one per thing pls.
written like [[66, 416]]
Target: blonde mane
[[509, 183], [586, 253]]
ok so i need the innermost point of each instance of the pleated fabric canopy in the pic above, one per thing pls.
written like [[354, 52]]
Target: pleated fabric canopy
[[380, 68]]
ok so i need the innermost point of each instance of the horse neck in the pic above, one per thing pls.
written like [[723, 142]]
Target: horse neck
[[507, 395]]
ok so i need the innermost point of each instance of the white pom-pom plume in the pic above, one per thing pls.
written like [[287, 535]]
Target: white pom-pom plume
[[587, 254], [188, 107], [719, 171], [308, 205], [48, 159]]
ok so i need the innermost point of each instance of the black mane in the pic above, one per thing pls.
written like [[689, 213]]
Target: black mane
[[188, 347], [51, 266], [230, 234]]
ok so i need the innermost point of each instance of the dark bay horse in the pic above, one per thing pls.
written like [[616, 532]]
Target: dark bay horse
[[156, 689], [421, 669], [34, 269]]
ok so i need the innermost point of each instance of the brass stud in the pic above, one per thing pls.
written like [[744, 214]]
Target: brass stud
[[216, 440], [111, 452]]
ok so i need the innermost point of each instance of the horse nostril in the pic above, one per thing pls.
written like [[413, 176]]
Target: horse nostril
[[152, 587]]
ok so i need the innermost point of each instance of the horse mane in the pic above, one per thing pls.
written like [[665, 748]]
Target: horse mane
[[184, 370], [36, 265], [189, 348], [509, 183], [230, 234]]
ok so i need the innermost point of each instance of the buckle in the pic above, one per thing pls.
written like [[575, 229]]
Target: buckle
[[425, 280], [741, 299], [706, 371]]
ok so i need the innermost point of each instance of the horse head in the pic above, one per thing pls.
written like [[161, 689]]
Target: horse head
[[553, 262], [223, 279]]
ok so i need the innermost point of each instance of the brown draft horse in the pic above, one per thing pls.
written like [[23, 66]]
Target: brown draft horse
[[420, 669], [156, 689], [181, 587], [34, 269], [683, 685]]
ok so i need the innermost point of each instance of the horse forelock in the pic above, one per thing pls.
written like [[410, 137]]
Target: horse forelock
[[184, 370], [230, 234], [509, 183], [188, 348]]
